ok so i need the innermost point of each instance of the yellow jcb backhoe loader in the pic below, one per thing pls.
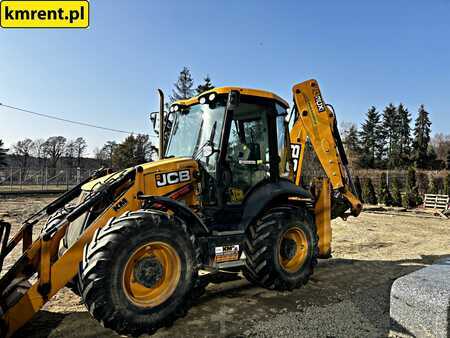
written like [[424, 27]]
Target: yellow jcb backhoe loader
[[228, 194]]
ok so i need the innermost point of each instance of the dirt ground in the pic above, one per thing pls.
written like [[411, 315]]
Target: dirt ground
[[347, 296]]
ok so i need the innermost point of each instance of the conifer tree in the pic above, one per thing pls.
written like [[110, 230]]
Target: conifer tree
[[3, 154], [447, 185], [422, 132], [350, 140], [433, 189], [391, 135], [404, 134], [384, 195], [369, 193], [183, 87], [396, 193], [371, 140], [207, 85], [411, 196]]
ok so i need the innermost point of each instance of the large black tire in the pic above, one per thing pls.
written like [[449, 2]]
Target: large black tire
[[263, 244], [104, 266]]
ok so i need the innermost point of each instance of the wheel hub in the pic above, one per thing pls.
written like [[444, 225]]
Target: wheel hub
[[148, 271], [293, 249], [288, 248]]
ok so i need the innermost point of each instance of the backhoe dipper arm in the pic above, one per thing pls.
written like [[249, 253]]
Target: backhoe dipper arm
[[314, 120]]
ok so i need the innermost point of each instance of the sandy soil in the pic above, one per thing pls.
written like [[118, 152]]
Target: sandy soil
[[347, 296]]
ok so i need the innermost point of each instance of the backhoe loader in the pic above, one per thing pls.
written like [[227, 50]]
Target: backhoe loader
[[229, 194]]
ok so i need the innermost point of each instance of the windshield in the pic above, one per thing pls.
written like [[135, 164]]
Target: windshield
[[193, 128]]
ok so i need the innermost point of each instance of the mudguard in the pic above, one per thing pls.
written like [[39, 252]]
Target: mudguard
[[259, 197]]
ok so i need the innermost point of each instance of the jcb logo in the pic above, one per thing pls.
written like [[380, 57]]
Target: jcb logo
[[173, 177], [319, 102]]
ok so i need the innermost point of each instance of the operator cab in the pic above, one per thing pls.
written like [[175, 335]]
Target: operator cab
[[238, 136]]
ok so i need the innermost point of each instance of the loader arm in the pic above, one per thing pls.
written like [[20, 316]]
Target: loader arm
[[18, 304]]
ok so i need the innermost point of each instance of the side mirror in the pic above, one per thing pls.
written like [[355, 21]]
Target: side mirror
[[207, 151]]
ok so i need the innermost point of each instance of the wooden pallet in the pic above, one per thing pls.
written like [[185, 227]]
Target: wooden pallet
[[440, 203]]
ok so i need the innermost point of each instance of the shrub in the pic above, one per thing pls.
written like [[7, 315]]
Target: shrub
[[396, 194], [447, 185], [432, 188], [384, 195], [411, 197], [369, 194], [423, 183]]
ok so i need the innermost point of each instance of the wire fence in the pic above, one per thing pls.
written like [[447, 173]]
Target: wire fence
[[41, 179]]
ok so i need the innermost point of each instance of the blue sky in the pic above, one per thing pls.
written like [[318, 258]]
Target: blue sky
[[362, 53]]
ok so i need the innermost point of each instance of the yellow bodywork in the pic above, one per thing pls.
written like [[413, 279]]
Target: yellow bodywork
[[41, 254], [177, 178], [226, 90]]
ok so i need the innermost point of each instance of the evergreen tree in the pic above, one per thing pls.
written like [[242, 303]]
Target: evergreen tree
[[423, 183], [371, 140], [134, 150], [404, 134], [358, 189], [447, 185], [390, 134], [207, 85], [3, 155], [396, 193], [433, 189], [369, 193], [411, 196], [183, 87], [384, 195], [422, 132], [350, 140]]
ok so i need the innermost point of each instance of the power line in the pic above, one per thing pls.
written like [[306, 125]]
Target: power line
[[70, 121]]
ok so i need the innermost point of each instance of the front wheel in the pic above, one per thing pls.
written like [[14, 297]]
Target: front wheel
[[281, 249], [139, 272]]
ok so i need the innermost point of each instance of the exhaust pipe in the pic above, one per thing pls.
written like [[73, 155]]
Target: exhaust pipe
[[161, 124]]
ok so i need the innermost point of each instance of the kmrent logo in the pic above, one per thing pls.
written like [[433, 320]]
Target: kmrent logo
[[44, 14]]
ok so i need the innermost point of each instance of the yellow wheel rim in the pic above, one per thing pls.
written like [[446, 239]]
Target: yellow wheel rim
[[293, 249], [151, 274]]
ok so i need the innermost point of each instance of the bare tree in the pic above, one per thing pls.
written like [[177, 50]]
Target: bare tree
[[38, 151], [3, 155], [104, 155], [70, 152], [22, 152], [54, 148], [441, 143], [80, 149]]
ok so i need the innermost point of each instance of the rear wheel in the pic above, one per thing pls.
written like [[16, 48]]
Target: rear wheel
[[139, 272], [281, 249]]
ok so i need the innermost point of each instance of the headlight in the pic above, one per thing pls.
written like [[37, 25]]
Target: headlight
[[202, 100], [212, 96]]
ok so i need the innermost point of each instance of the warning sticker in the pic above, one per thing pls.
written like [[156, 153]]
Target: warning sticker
[[227, 253]]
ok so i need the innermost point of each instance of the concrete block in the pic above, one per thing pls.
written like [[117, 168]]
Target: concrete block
[[420, 302]]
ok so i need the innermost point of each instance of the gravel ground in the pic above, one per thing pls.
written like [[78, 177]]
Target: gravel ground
[[348, 295]]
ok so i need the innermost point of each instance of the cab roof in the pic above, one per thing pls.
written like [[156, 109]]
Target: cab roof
[[243, 91]]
